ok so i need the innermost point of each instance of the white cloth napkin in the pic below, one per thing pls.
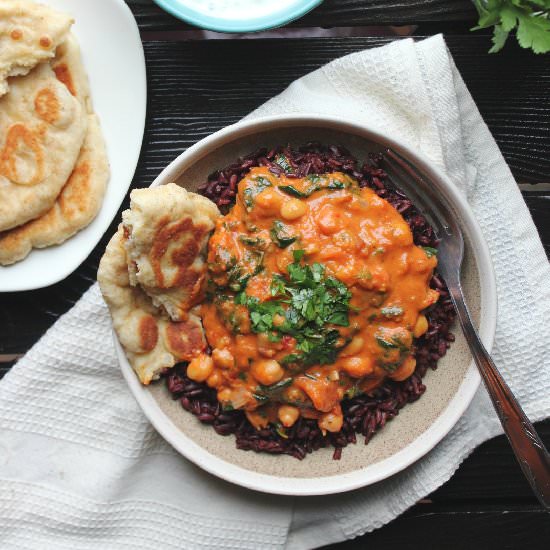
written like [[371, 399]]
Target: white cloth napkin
[[81, 468]]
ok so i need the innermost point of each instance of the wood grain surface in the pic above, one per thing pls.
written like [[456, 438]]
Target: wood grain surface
[[198, 87], [337, 13]]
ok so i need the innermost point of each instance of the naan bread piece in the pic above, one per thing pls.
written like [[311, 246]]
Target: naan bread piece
[[76, 206], [42, 128], [69, 69], [168, 229], [151, 341], [29, 34]]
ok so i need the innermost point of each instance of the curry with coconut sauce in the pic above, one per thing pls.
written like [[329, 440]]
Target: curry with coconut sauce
[[315, 293]]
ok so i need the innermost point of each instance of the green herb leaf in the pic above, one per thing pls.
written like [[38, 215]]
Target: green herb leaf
[[430, 251], [292, 191], [252, 241], [391, 311], [530, 17], [311, 304], [298, 255], [280, 234], [254, 187], [315, 183], [283, 162], [279, 428], [278, 386], [260, 398], [383, 343]]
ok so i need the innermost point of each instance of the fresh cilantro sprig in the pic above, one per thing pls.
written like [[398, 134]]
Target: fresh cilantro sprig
[[530, 18], [309, 305]]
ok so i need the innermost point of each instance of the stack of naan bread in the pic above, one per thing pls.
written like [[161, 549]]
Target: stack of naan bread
[[53, 164], [152, 277]]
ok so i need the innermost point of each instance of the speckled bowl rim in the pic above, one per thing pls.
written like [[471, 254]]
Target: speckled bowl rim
[[441, 425]]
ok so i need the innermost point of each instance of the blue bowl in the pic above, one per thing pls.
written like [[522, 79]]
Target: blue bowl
[[278, 16]]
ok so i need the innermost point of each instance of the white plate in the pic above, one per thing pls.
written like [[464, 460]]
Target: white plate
[[113, 56], [419, 426]]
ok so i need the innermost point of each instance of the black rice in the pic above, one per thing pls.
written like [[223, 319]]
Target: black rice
[[364, 414]]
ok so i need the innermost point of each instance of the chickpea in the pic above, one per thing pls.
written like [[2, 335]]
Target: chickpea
[[200, 368], [283, 261], [265, 347], [334, 375], [293, 209], [295, 394], [223, 358], [421, 326], [288, 415], [331, 422], [278, 320], [354, 347], [358, 366], [267, 372], [329, 220], [269, 201], [431, 298], [214, 380], [402, 235], [405, 370], [225, 395]]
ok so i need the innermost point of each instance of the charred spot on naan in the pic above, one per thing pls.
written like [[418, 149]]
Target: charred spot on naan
[[29, 34], [45, 42], [168, 230], [148, 333], [63, 74], [176, 256], [22, 157], [46, 105], [186, 338], [152, 342], [73, 198]]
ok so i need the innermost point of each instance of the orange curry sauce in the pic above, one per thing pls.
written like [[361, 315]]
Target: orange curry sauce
[[379, 282]]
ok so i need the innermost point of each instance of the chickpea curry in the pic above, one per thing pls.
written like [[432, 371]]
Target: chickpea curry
[[315, 294]]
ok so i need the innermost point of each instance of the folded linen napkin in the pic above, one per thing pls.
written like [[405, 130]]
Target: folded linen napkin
[[81, 468]]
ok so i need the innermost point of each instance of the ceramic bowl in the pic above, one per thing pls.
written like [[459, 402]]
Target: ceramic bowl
[[238, 15], [419, 426]]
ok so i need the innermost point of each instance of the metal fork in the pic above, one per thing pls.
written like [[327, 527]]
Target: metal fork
[[530, 452]]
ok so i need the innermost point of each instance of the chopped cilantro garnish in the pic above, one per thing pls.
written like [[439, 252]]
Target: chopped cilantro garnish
[[283, 162], [391, 311], [352, 392], [315, 183], [310, 304], [280, 234], [265, 393], [252, 241], [291, 190], [254, 188], [430, 251], [386, 344], [280, 429]]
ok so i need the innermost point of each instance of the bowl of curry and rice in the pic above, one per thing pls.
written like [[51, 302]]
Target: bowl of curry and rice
[[278, 312]]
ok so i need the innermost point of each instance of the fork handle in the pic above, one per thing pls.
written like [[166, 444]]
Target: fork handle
[[530, 452]]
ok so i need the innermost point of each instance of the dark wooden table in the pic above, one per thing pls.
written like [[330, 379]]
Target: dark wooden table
[[199, 86]]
